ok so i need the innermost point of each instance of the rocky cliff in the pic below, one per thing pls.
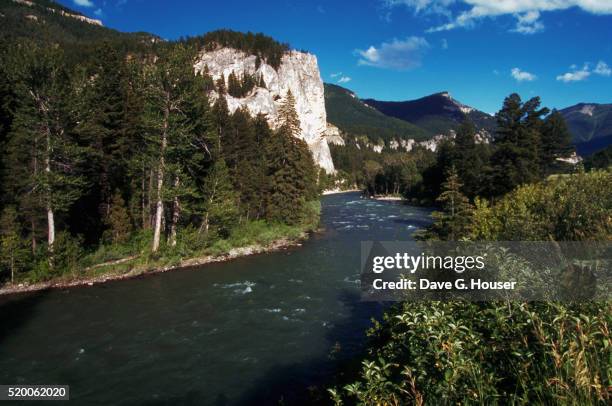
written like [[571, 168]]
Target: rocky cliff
[[298, 72]]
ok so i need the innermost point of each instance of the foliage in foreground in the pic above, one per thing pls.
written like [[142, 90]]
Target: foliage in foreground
[[501, 352], [487, 353]]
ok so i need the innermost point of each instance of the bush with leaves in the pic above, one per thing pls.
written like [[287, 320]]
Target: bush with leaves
[[501, 352]]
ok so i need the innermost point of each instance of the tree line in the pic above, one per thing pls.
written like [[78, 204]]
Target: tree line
[[524, 149], [121, 144]]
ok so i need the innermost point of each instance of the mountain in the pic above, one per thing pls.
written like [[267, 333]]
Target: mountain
[[436, 114], [48, 21], [272, 67], [346, 111], [590, 125]]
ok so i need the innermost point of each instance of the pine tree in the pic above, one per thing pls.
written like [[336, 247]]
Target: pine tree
[[118, 220], [287, 115], [468, 159], [233, 85], [13, 253], [100, 94], [515, 160], [291, 171], [221, 207], [556, 142], [454, 221], [176, 110], [42, 136]]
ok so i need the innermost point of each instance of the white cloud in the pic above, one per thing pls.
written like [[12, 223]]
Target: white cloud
[[528, 23], [578, 75], [335, 75], [99, 12], [84, 3], [526, 12], [603, 69], [575, 75], [522, 76], [423, 6], [397, 54], [444, 43], [344, 79]]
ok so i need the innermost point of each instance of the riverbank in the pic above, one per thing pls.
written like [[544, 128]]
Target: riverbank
[[253, 238], [139, 271], [389, 198], [338, 191]]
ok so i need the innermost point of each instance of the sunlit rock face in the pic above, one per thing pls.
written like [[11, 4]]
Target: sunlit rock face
[[298, 72]]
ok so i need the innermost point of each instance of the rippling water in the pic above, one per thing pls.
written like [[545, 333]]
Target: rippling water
[[243, 332]]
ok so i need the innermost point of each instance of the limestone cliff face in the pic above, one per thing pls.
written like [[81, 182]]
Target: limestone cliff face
[[298, 72]]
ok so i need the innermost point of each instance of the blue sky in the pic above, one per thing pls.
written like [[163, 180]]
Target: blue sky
[[478, 50]]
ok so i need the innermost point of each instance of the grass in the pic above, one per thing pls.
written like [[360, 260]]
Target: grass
[[136, 258]]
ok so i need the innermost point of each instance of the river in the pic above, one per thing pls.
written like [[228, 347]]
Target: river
[[248, 331]]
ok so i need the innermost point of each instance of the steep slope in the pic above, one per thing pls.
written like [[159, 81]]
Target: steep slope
[[438, 113], [222, 52], [351, 115], [297, 72], [48, 21], [590, 125]]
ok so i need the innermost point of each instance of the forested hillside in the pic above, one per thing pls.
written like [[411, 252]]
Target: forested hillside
[[590, 125], [347, 112], [111, 148], [437, 114]]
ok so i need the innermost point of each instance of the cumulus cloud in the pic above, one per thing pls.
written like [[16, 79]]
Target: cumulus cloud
[[344, 79], [575, 75], [398, 54], [522, 76], [526, 12], [578, 75], [84, 3], [603, 69]]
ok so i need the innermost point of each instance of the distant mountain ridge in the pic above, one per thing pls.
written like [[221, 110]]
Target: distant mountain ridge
[[437, 113], [346, 111], [590, 125]]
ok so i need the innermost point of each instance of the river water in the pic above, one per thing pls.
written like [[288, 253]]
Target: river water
[[248, 331]]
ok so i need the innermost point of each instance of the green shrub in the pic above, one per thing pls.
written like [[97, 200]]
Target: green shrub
[[567, 208], [501, 352], [487, 353]]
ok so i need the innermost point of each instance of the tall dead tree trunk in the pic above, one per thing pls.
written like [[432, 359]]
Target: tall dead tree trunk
[[159, 207]]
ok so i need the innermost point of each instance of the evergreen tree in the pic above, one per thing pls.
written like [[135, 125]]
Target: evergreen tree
[[247, 165], [291, 171], [221, 208], [287, 115], [371, 170], [556, 142], [468, 159], [100, 107], [233, 85], [118, 220], [42, 136], [176, 111], [515, 160], [454, 219], [13, 254]]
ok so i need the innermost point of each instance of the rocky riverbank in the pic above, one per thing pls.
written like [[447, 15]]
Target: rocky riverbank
[[142, 270]]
